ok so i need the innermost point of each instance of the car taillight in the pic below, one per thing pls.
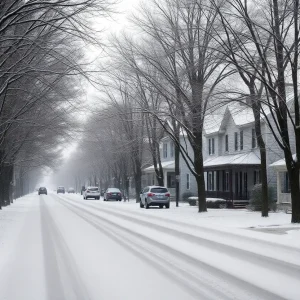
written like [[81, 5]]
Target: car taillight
[[119, 194], [168, 194], [150, 194], [109, 194], [87, 191]]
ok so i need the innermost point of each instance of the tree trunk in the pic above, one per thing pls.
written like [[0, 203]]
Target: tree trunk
[[177, 167], [293, 173], [263, 155], [138, 185], [198, 161]]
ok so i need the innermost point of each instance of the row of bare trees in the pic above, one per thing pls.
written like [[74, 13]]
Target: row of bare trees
[[186, 58], [41, 65]]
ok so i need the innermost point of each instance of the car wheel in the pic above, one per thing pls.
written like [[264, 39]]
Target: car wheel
[[146, 204], [141, 204], [161, 206], [168, 205]]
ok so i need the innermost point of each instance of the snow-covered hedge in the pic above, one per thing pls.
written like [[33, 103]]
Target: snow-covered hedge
[[210, 202]]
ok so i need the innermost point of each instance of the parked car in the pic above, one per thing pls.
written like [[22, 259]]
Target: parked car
[[155, 196], [60, 190], [42, 190], [71, 190], [112, 194], [91, 192]]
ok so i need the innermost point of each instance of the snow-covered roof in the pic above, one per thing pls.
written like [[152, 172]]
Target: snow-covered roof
[[249, 158], [241, 115], [167, 165], [280, 163], [212, 123]]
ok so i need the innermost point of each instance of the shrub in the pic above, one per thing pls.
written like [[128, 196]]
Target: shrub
[[193, 201], [186, 195], [255, 202], [216, 204]]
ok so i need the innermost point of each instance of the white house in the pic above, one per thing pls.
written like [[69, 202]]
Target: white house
[[187, 180]]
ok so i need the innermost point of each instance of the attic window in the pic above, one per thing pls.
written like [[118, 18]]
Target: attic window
[[253, 138], [211, 146], [226, 142], [241, 140], [235, 141]]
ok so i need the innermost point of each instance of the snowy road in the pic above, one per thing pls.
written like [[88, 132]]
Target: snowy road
[[67, 248]]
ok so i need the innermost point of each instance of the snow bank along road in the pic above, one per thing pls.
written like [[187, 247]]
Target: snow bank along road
[[68, 248]]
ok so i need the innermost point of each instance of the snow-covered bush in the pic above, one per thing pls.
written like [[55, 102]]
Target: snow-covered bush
[[218, 203], [255, 202], [186, 195]]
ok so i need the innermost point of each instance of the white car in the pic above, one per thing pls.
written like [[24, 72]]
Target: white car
[[155, 196], [91, 192]]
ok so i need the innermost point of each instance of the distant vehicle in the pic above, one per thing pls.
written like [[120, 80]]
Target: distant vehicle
[[60, 190], [82, 190], [112, 194], [155, 196], [42, 190], [91, 192], [71, 190]]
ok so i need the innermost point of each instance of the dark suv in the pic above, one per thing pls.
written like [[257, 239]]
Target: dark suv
[[42, 190], [61, 190]]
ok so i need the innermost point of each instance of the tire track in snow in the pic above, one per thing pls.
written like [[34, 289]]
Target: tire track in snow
[[280, 266], [250, 291], [63, 279]]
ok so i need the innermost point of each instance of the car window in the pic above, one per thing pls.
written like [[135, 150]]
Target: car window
[[93, 189], [114, 190], [159, 190], [146, 189]]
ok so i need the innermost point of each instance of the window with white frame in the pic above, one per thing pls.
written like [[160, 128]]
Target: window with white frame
[[236, 141], [172, 147], [165, 150], [241, 140], [256, 177], [187, 181], [210, 181], [253, 138], [211, 146]]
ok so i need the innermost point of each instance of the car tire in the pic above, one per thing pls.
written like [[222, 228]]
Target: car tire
[[161, 206], [168, 205], [146, 204], [141, 204]]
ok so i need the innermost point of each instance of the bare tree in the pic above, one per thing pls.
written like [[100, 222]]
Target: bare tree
[[189, 60], [271, 29]]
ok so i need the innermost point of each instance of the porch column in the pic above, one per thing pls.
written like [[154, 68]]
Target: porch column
[[278, 187]]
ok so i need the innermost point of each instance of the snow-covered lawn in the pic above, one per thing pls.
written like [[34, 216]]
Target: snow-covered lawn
[[277, 226]]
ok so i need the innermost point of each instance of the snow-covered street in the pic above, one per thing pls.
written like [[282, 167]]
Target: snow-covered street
[[62, 247]]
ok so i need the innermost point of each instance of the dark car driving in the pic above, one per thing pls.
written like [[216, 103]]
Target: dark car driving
[[112, 194], [61, 190], [42, 190]]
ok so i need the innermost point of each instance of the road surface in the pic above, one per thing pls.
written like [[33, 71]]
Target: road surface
[[68, 248]]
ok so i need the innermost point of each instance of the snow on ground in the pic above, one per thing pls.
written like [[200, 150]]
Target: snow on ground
[[62, 247]]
